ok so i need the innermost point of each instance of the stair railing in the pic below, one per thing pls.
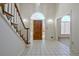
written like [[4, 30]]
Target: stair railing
[[12, 13]]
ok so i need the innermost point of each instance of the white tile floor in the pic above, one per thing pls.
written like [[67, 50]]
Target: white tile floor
[[65, 41], [46, 48]]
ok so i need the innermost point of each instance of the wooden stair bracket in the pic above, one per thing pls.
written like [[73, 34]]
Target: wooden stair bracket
[[7, 14], [15, 25], [21, 35], [12, 23], [16, 29], [19, 31], [23, 38]]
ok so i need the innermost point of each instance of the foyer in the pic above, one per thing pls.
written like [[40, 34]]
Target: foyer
[[39, 29]]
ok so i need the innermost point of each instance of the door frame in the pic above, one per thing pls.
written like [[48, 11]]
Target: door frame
[[31, 30], [41, 29]]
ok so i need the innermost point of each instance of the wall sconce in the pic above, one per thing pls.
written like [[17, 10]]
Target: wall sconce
[[49, 21], [25, 20]]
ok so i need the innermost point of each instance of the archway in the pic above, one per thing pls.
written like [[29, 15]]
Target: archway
[[38, 16]]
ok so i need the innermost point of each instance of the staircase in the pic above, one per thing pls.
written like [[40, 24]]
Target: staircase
[[12, 13]]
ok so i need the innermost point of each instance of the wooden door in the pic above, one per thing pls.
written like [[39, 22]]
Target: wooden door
[[37, 30]]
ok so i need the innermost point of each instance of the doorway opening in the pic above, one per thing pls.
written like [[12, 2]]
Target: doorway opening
[[37, 26], [63, 29]]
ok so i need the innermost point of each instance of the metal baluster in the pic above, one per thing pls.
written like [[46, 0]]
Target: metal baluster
[[27, 41], [11, 13]]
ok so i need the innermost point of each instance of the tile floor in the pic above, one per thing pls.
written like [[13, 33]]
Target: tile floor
[[65, 41], [46, 48]]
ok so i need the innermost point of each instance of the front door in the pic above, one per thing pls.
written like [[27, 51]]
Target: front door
[[37, 29]]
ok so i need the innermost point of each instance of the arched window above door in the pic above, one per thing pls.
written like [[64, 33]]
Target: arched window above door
[[66, 18], [38, 16]]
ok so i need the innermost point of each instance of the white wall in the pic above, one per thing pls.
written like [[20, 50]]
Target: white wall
[[62, 10], [75, 29], [71, 9], [10, 43], [48, 9], [59, 27]]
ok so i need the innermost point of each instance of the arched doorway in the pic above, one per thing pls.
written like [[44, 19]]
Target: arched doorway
[[63, 29], [38, 26]]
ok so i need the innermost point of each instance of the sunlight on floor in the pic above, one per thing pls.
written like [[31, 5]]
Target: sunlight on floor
[[46, 48]]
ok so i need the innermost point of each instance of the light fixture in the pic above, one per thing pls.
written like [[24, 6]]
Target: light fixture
[[25, 20], [50, 21]]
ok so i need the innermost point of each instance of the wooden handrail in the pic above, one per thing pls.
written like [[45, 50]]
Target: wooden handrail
[[19, 15], [22, 23], [15, 24], [4, 12], [8, 14], [26, 41]]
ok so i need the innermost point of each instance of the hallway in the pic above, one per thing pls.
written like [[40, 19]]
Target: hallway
[[46, 48], [17, 29]]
